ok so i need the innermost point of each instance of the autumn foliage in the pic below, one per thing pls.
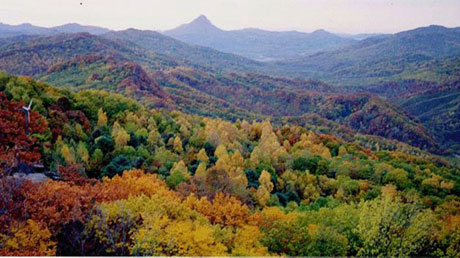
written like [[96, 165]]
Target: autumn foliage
[[223, 210], [15, 145], [133, 181]]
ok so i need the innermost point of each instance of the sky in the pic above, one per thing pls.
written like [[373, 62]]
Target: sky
[[340, 16]]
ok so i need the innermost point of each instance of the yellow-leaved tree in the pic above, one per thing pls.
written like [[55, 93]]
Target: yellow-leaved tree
[[202, 156], [237, 226], [101, 118], [31, 238], [178, 145], [266, 186], [119, 135], [154, 226], [201, 170], [68, 153]]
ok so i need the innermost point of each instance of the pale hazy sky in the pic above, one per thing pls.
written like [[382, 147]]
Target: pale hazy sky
[[348, 16]]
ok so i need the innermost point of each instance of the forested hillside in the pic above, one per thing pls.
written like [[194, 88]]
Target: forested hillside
[[135, 181], [110, 74], [163, 72], [277, 97], [436, 105], [207, 58], [440, 111], [417, 70], [234, 96], [428, 53], [36, 54]]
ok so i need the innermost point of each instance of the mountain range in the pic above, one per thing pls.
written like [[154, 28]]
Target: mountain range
[[201, 57], [256, 43], [388, 86], [429, 53]]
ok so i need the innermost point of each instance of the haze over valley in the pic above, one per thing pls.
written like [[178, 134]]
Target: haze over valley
[[200, 61]]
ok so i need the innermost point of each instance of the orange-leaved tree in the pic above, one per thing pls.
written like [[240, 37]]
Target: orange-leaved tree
[[224, 210]]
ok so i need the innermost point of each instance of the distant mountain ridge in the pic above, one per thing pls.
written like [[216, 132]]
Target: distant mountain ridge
[[206, 57], [7, 30], [77, 28], [404, 55], [256, 43]]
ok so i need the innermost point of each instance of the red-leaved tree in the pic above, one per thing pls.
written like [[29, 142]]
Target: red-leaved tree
[[15, 145]]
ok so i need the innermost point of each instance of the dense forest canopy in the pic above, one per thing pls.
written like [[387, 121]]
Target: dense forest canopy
[[140, 181]]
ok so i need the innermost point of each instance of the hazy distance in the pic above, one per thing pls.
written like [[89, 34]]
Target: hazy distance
[[340, 16]]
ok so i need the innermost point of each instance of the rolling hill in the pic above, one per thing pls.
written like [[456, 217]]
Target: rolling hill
[[107, 73], [417, 70], [277, 98], [204, 57], [429, 53], [436, 105], [162, 72], [439, 111], [34, 55]]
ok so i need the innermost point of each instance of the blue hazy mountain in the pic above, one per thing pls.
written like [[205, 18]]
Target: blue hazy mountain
[[256, 43], [7, 30]]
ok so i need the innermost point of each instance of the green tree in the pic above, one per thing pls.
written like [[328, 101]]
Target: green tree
[[117, 166], [388, 227]]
